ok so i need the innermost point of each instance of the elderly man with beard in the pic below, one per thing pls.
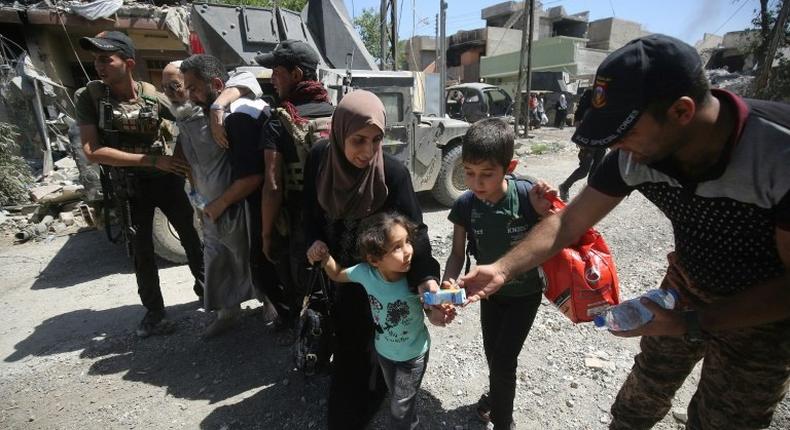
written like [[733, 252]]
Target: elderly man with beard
[[224, 180]]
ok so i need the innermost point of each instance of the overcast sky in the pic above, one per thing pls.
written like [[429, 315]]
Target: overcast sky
[[685, 19]]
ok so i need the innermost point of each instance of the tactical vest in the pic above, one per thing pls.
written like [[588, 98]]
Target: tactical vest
[[303, 136], [131, 126]]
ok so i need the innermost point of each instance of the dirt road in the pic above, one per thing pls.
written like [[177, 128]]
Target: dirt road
[[70, 359]]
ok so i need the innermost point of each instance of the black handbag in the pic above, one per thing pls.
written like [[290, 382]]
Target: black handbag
[[314, 333]]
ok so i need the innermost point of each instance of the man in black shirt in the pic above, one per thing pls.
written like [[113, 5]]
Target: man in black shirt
[[301, 118], [716, 166], [589, 158]]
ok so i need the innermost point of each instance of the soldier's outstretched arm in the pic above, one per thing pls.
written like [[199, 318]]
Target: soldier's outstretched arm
[[542, 242]]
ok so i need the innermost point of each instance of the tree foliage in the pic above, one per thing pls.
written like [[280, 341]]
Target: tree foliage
[[294, 5], [14, 171], [367, 24], [778, 86]]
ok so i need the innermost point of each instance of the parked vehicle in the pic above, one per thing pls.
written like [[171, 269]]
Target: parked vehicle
[[475, 101]]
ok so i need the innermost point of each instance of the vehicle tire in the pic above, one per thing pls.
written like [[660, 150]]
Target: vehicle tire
[[167, 245], [450, 182]]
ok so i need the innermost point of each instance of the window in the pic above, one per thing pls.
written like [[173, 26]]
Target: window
[[498, 101], [393, 105]]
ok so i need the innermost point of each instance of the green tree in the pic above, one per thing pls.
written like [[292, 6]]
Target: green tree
[[295, 5], [367, 24], [778, 86]]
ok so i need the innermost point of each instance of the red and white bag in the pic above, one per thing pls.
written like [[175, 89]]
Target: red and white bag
[[581, 280]]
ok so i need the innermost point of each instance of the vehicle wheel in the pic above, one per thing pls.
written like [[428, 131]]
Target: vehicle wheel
[[167, 245], [450, 183]]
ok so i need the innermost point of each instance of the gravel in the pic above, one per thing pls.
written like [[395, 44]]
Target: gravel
[[71, 360]]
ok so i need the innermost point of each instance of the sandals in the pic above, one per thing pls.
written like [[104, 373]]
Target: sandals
[[483, 409]]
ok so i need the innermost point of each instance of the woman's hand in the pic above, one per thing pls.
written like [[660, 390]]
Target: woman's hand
[[317, 252]]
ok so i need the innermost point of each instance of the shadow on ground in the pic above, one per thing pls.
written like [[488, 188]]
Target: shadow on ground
[[244, 369], [260, 412], [63, 270], [189, 367]]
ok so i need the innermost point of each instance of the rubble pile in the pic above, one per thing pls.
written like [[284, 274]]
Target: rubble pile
[[56, 204], [738, 83]]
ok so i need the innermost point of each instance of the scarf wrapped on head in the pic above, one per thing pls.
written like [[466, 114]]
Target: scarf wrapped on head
[[344, 190], [304, 92]]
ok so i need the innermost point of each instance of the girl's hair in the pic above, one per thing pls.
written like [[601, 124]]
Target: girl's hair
[[373, 239]]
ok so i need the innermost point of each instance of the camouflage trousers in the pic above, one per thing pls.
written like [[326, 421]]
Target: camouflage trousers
[[745, 373]]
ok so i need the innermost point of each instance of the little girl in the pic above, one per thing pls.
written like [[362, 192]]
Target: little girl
[[402, 342]]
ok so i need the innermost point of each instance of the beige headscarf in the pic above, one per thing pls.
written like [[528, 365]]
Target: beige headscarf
[[344, 190]]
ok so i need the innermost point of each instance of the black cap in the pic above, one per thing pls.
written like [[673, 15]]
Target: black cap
[[644, 70], [290, 52], [109, 41]]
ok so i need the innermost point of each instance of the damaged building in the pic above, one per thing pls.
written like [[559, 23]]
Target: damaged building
[[564, 44], [43, 65]]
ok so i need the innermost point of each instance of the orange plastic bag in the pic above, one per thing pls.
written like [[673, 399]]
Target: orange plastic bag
[[581, 280]]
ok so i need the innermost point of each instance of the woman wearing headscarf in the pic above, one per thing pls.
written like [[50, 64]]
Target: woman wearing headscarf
[[346, 180]]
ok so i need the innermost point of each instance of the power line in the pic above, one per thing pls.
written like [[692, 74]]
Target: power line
[[731, 16]]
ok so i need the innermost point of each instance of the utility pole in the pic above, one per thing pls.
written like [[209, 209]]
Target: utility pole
[[526, 47], [778, 33], [529, 46], [394, 20], [442, 58], [383, 34], [388, 42]]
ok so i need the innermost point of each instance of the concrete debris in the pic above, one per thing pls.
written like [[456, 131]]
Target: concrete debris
[[38, 193], [66, 218], [34, 230], [598, 363], [736, 82]]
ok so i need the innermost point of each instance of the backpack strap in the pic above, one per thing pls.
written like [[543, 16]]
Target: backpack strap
[[523, 186], [464, 206]]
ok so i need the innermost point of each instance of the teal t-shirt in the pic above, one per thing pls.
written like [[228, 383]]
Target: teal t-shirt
[[497, 228], [401, 334]]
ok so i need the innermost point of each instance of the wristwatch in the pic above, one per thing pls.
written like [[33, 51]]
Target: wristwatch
[[694, 332], [216, 106]]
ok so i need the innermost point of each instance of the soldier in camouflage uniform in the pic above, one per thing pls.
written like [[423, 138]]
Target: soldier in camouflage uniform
[[119, 121], [716, 165]]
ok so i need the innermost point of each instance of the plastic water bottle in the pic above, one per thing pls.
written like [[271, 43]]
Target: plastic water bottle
[[197, 199], [632, 314]]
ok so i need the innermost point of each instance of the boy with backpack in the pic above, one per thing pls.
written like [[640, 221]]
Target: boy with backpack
[[492, 216]]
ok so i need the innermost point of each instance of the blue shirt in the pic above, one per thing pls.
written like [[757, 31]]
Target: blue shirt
[[401, 334]]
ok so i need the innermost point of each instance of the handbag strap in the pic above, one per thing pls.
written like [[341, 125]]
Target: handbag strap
[[317, 278]]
